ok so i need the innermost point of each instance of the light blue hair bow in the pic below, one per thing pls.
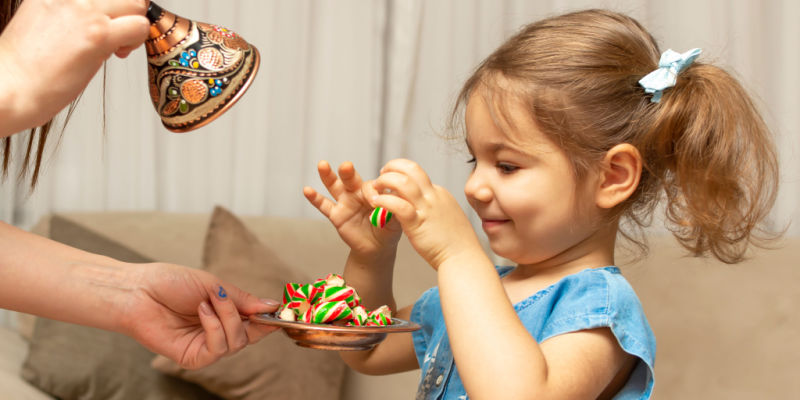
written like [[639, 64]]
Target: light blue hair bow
[[669, 66]]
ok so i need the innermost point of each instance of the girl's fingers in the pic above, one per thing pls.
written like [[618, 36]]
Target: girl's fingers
[[329, 179], [320, 202], [216, 344], [399, 184], [369, 191], [403, 211], [228, 313], [410, 169], [350, 178]]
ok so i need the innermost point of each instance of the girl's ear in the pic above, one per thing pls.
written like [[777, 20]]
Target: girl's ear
[[619, 177]]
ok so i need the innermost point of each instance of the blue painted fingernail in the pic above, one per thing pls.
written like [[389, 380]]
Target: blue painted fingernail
[[221, 293]]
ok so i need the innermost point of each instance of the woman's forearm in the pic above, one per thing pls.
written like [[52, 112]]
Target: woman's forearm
[[46, 278]]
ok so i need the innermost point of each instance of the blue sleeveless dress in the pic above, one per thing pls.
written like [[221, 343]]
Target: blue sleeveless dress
[[592, 298]]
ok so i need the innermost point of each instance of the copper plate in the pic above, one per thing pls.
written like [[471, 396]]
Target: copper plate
[[335, 337]]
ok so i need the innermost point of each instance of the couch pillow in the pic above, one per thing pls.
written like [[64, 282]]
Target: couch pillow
[[77, 362], [274, 368]]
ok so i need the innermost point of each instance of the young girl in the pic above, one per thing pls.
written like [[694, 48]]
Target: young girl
[[574, 124]]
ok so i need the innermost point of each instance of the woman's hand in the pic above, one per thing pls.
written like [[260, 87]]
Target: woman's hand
[[190, 316], [349, 211], [430, 216], [50, 50]]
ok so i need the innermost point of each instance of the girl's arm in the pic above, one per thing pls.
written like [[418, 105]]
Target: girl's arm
[[371, 276], [495, 353], [394, 354], [492, 349], [370, 264]]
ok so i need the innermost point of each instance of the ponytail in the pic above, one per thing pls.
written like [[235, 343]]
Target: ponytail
[[712, 154]]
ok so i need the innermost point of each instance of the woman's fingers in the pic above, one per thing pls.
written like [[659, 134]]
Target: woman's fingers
[[120, 8], [127, 33], [216, 344], [124, 52], [229, 316], [256, 331]]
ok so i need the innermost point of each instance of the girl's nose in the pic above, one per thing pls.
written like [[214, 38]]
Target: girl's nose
[[476, 188]]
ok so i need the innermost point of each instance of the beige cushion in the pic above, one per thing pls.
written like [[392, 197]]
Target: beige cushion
[[76, 362], [274, 368], [723, 331], [13, 351]]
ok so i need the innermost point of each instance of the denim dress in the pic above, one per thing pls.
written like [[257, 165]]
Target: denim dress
[[592, 298]]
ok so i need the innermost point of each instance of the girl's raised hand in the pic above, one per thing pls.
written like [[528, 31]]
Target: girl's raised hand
[[349, 211], [429, 215]]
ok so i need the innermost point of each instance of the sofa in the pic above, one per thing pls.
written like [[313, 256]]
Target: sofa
[[724, 331]]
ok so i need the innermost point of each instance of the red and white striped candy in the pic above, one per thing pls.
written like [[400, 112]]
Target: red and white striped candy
[[299, 306], [381, 315], [339, 293], [379, 217], [328, 312], [334, 280], [290, 292], [360, 316], [287, 314]]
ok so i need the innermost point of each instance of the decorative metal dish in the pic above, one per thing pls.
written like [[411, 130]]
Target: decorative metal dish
[[335, 337]]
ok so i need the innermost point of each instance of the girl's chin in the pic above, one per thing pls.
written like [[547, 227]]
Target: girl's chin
[[501, 249], [513, 253]]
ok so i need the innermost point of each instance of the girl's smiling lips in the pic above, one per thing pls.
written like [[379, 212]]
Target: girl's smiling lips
[[492, 223]]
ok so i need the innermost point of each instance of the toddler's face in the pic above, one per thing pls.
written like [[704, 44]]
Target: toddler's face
[[522, 186]]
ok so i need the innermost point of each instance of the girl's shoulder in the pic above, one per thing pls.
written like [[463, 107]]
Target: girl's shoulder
[[597, 294], [590, 299], [603, 288]]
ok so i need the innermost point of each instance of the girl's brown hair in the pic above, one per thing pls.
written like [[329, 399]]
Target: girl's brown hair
[[705, 147]]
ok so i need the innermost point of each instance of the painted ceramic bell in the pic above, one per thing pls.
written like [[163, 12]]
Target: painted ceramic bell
[[196, 70]]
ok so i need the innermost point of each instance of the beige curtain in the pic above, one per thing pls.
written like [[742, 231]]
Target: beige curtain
[[366, 81]]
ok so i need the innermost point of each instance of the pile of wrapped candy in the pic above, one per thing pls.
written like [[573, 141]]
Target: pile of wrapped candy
[[329, 300]]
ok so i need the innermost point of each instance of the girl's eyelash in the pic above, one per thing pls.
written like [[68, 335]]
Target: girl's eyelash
[[471, 160], [506, 168]]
